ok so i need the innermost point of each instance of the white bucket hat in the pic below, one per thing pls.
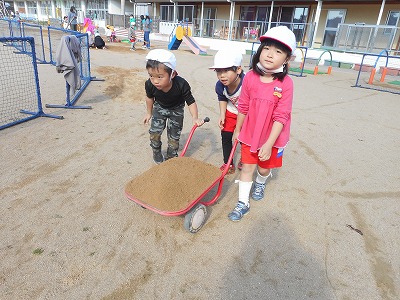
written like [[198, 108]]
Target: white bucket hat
[[163, 56], [281, 34], [226, 59]]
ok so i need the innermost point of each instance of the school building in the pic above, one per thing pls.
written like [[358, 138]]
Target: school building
[[347, 25]]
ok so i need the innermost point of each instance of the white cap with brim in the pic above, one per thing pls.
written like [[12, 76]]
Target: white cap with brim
[[281, 34], [226, 59], [163, 56]]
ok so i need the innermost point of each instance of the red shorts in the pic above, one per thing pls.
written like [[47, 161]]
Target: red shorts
[[230, 122], [275, 161]]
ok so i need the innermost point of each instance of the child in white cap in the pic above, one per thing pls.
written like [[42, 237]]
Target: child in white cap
[[132, 36], [166, 94], [228, 66], [265, 107]]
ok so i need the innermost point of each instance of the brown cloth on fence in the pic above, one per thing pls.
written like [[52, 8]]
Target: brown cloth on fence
[[68, 56], [173, 185]]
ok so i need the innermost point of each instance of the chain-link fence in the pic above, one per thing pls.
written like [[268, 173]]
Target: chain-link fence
[[20, 91]]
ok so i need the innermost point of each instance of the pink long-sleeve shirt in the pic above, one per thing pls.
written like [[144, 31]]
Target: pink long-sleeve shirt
[[263, 104]]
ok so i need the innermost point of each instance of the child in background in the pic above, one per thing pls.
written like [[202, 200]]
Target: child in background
[[263, 123], [132, 19], [65, 22], [228, 66], [108, 33], [166, 94], [146, 31], [72, 19], [99, 42], [113, 37], [132, 36]]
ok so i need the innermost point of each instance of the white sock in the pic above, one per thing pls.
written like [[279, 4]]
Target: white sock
[[244, 191], [262, 179]]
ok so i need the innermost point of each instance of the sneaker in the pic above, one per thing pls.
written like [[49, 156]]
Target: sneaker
[[240, 165], [239, 211], [144, 47], [132, 49], [231, 169], [158, 157], [258, 191]]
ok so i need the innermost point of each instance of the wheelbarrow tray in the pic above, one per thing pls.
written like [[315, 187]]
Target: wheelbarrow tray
[[175, 186]]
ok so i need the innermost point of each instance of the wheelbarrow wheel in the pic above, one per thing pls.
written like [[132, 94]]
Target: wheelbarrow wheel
[[195, 218]]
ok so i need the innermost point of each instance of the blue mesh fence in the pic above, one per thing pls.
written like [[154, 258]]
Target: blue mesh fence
[[36, 31], [55, 37], [20, 92], [46, 50]]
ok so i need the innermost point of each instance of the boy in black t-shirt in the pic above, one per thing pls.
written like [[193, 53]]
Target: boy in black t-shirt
[[166, 94]]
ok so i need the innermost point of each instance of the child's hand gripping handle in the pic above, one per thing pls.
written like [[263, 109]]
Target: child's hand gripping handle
[[206, 119]]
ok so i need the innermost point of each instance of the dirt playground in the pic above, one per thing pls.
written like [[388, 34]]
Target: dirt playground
[[328, 227]]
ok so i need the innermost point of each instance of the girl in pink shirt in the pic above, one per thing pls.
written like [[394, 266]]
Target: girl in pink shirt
[[263, 122]]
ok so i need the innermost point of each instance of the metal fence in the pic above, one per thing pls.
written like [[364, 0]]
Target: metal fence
[[248, 31], [20, 94], [55, 36], [365, 38], [374, 72], [47, 53]]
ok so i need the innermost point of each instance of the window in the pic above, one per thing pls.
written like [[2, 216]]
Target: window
[[183, 13], [392, 20], [299, 20], [334, 18], [286, 15], [262, 14], [31, 7], [300, 15], [248, 13], [45, 8], [97, 9]]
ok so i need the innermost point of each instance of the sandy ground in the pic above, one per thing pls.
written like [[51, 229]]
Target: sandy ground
[[67, 230]]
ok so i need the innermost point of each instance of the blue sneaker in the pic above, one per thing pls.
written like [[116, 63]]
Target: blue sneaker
[[239, 211], [258, 191]]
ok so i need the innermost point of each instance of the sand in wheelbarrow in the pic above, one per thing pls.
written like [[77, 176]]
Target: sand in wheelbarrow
[[174, 184]]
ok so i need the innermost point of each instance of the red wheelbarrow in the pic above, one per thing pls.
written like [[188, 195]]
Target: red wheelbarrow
[[177, 187]]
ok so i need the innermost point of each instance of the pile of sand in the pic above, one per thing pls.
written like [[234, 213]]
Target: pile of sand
[[173, 185]]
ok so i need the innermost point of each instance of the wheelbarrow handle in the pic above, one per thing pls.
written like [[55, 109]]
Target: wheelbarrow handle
[[206, 119]]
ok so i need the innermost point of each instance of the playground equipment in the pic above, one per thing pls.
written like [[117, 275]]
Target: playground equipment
[[316, 71], [392, 85], [183, 33], [300, 69], [330, 63]]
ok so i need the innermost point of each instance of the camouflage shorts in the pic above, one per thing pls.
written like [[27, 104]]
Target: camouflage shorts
[[173, 120]]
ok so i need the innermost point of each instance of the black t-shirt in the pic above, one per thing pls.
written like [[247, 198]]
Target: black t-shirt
[[179, 93]]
